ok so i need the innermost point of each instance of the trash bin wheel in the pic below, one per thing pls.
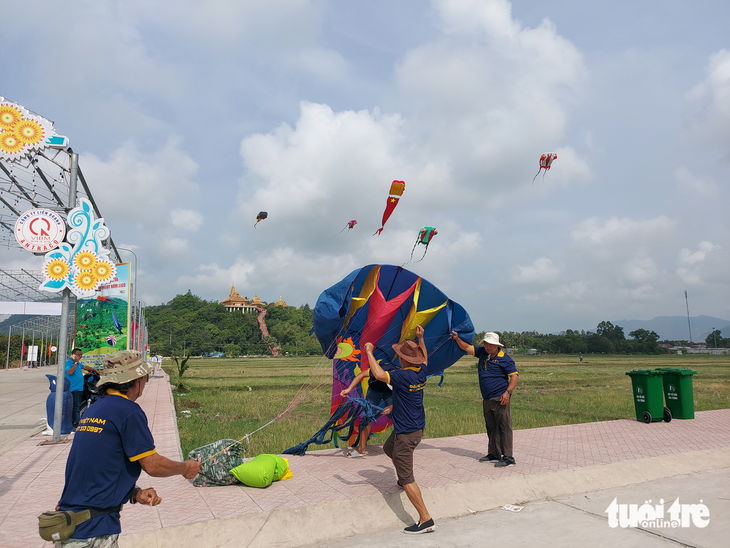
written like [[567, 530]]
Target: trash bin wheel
[[646, 416], [667, 415]]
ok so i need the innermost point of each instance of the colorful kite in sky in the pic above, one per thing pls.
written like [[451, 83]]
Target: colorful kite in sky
[[349, 226], [396, 190], [546, 160], [381, 304], [260, 217], [424, 237]]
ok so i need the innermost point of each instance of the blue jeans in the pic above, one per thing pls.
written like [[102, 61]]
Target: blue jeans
[[76, 414]]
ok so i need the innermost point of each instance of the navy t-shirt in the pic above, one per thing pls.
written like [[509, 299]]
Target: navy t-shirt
[[103, 464], [408, 413], [494, 373]]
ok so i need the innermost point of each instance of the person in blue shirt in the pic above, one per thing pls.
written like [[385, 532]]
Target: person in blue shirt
[[75, 376], [409, 419], [111, 447], [497, 379]]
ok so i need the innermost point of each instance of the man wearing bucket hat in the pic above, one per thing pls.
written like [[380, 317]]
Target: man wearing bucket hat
[[111, 447], [409, 419], [497, 379]]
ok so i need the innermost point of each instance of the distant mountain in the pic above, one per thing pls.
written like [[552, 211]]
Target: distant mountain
[[676, 328]]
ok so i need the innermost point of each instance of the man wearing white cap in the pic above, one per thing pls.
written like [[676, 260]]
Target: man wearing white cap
[[497, 379]]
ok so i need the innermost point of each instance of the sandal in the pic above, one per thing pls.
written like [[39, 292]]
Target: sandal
[[355, 455]]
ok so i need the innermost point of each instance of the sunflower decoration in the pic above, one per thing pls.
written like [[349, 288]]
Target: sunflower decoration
[[85, 281], [9, 116], [10, 143], [57, 269], [85, 261], [103, 270], [29, 132]]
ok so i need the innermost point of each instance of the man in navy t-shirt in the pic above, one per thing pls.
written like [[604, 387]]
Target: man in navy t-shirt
[[111, 447], [409, 419], [497, 379]]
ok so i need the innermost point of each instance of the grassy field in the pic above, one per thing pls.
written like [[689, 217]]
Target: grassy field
[[229, 398]]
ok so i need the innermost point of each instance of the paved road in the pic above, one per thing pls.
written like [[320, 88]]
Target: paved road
[[23, 394], [579, 521]]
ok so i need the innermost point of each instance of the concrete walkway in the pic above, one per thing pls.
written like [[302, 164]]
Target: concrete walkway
[[23, 394], [331, 497]]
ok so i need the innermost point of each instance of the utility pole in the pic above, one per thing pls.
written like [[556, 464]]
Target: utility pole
[[686, 300], [65, 312]]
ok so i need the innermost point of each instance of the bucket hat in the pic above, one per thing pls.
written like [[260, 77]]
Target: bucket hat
[[491, 338], [410, 352], [124, 366]]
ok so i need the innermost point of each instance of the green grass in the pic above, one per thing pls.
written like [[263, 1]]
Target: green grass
[[229, 398]]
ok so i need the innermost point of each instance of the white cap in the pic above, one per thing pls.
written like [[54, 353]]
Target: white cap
[[491, 338]]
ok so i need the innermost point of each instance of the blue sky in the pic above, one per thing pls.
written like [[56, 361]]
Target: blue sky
[[191, 118]]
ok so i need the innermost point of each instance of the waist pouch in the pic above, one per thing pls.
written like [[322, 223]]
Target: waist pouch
[[61, 524]]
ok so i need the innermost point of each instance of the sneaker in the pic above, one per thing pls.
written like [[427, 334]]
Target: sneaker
[[418, 528], [505, 461], [489, 458]]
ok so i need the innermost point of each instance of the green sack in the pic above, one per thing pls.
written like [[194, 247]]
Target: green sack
[[216, 459], [261, 470]]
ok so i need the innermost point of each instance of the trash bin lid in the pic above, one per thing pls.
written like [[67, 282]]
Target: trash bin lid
[[676, 370], [645, 372]]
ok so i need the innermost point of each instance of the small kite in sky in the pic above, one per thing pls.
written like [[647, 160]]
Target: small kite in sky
[[425, 235], [260, 217], [546, 160], [349, 226], [396, 190]]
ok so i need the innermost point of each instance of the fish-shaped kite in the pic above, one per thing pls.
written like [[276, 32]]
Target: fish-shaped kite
[[396, 190], [349, 226], [260, 217], [546, 160], [424, 237]]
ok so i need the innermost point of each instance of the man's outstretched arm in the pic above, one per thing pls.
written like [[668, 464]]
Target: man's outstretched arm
[[158, 466]]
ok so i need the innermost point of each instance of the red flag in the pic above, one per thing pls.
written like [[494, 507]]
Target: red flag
[[22, 351]]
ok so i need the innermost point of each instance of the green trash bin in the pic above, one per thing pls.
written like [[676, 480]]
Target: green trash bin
[[678, 391], [648, 395]]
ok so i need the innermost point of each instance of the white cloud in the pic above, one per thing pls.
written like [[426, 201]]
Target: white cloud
[[617, 230], [141, 186], [704, 186], [489, 96], [713, 95], [186, 219], [542, 270]]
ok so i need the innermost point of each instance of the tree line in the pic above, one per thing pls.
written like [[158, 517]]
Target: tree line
[[606, 339]]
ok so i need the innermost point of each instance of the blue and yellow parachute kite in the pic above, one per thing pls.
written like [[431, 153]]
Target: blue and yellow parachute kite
[[381, 304]]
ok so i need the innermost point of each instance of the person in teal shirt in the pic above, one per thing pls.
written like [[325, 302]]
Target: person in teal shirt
[[75, 376]]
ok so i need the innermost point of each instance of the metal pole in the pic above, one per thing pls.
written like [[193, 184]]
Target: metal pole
[[22, 354], [65, 317], [689, 325], [7, 359]]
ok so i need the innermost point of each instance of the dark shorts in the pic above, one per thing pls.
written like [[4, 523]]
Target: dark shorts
[[376, 397], [400, 447]]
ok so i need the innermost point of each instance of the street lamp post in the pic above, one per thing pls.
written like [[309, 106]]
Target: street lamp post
[[714, 335]]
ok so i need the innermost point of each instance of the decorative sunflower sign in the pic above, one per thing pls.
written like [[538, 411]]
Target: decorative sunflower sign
[[81, 263], [23, 133]]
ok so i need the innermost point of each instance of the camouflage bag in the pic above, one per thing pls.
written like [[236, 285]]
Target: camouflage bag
[[216, 470]]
